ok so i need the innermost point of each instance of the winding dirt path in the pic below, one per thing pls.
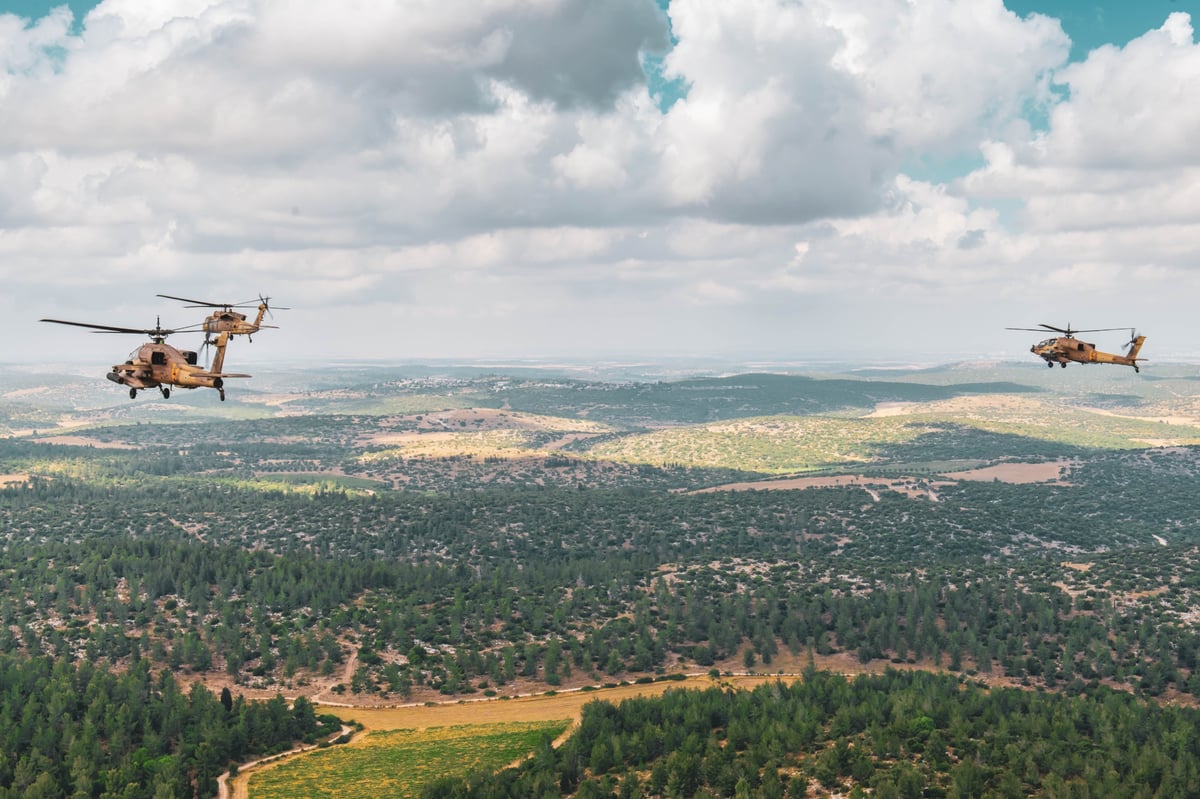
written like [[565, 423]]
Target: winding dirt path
[[347, 678], [238, 787]]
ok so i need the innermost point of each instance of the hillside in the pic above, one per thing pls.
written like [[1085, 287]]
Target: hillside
[[433, 538]]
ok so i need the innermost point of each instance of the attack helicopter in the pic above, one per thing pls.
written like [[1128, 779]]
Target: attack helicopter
[[1066, 348], [157, 364], [226, 319]]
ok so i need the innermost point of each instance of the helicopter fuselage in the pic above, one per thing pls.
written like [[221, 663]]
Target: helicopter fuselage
[[158, 364], [1066, 349], [234, 323]]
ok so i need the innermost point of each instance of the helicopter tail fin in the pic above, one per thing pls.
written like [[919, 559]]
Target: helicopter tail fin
[[1135, 346]]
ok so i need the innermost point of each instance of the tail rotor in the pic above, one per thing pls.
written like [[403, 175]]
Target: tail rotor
[[1135, 346], [263, 303], [207, 348]]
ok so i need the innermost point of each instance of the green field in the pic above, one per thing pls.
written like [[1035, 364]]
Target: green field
[[398, 763], [323, 481]]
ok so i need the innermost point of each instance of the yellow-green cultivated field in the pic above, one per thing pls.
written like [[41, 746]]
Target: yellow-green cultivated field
[[398, 763], [406, 746]]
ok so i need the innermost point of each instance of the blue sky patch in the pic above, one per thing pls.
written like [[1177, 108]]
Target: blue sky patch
[[1092, 24], [36, 9]]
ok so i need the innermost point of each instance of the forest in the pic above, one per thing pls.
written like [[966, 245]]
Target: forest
[[70, 729], [435, 539], [899, 735], [463, 592]]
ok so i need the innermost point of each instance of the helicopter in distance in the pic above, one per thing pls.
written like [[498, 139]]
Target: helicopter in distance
[[157, 364], [1066, 348], [226, 319]]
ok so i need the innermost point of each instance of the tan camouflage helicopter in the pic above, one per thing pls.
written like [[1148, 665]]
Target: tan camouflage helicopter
[[157, 364], [227, 320], [1066, 348]]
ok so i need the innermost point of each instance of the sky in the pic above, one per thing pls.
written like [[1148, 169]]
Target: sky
[[891, 180]]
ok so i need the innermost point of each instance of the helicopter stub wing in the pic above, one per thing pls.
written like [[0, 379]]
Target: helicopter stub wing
[[221, 375], [131, 379]]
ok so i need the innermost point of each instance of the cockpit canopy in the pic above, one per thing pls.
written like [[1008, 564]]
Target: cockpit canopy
[[1050, 342]]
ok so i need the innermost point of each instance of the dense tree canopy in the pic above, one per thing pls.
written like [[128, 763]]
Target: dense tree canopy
[[74, 730], [899, 734]]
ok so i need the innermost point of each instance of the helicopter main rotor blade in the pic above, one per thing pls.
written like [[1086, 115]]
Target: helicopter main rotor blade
[[153, 332], [197, 303], [106, 328], [1071, 330], [1068, 330]]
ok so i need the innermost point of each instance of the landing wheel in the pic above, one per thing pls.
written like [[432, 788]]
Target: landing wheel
[[1049, 364], [1063, 364], [166, 392], [133, 393]]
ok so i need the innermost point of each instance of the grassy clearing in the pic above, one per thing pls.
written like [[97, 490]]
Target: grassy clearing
[[398, 763], [770, 445], [917, 438], [324, 480], [405, 404], [301, 483], [479, 444]]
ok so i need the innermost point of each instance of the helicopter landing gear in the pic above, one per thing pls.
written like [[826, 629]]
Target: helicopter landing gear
[[166, 392], [1063, 364], [221, 392], [133, 393], [1049, 364]]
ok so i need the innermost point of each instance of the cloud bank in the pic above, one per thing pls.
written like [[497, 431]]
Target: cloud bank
[[501, 178]]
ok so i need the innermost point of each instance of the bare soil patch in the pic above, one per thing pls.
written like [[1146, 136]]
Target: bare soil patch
[[911, 487], [1021, 473], [1187, 421], [561, 705], [893, 409], [84, 441]]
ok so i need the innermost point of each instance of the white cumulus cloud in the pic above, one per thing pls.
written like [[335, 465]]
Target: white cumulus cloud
[[464, 172]]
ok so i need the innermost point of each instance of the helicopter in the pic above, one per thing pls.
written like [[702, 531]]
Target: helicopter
[[159, 365], [1066, 348], [227, 320]]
